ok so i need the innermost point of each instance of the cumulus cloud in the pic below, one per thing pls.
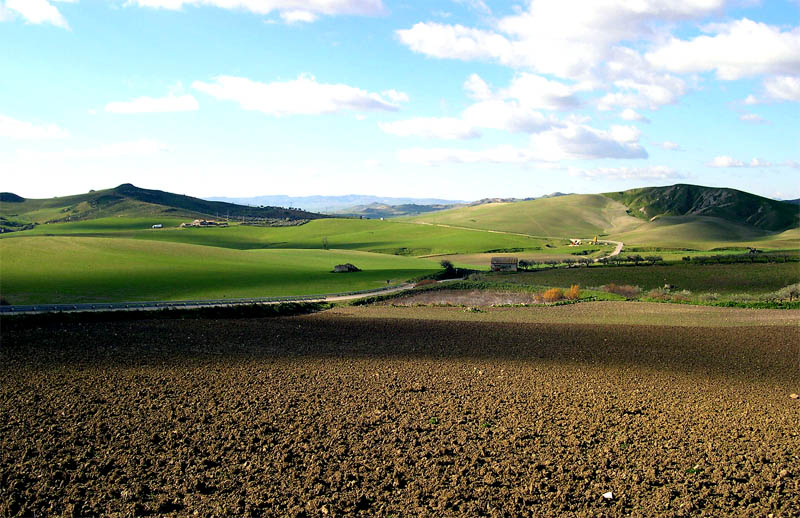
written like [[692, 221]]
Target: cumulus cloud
[[16, 129], [670, 146], [737, 49], [291, 11], [632, 115], [127, 149], [298, 16], [628, 173], [35, 11], [436, 156], [447, 128], [567, 39], [573, 141], [752, 118], [578, 141], [725, 161], [477, 88], [171, 103], [303, 95], [783, 88]]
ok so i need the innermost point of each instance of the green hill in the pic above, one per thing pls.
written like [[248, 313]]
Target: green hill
[[574, 215], [18, 213], [734, 206]]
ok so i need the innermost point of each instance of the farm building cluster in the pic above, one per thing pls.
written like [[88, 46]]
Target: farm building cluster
[[204, 223], [504, 264]]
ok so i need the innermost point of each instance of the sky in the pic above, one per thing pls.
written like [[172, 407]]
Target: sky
[[454, 99]]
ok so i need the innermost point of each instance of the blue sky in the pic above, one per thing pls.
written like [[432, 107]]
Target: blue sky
[[453, 99]]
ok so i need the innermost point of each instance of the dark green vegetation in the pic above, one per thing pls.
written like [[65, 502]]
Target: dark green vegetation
[[715, 278], [129, 201], [693, 200]]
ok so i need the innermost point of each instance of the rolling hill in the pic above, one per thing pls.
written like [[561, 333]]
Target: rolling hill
[[693, 200], [675, 216], [126, 200]]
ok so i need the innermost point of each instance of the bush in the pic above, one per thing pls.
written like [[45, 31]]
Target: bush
[[791, 292], [425, 282], [625, 290], [659, 294], [553, 295], [708, 297], [573, 293]]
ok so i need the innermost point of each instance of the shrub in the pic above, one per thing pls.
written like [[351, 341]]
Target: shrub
[[573, 293], [682, 296], [627, 291], [553, 295], [425, 282], [791, 292], [659, 294], [708, 297]]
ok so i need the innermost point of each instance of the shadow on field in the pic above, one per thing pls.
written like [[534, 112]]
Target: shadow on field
[[761, 353]]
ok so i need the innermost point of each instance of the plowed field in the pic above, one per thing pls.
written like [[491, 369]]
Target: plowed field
[[343, 413]]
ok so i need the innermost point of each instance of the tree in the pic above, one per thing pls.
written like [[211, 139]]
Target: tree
[[448, 266], [653, 259]]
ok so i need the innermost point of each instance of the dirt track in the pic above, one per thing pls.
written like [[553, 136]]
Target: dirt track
[[336, 414]]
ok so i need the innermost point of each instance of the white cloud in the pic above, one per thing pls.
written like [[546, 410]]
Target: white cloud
[[16, 129], [539, 93], [128, 149], [783, 88], [578, 141], [508, 116], [753, 118], [566, 39], [34, 11], [751, 99], [303, 95], [435, 156], [447, 128], [298, 16], [724, 161], [290, 10], [632, 115], [395, 96], [742, 48], [477, 88], [670, 146], [171, 103], [628, 173]]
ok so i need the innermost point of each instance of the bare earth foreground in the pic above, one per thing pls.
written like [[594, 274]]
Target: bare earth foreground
[[355, 412]]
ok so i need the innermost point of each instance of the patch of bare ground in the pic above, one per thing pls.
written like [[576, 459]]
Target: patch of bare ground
[[343, 414], [461, 298]]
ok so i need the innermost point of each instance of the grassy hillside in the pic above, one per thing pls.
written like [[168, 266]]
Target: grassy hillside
[[694, 232], [575, 215], [128, 201], [734, 206], [118, 269], [388, 237]]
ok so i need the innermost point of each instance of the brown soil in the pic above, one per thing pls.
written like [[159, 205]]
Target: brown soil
[[334, 415]]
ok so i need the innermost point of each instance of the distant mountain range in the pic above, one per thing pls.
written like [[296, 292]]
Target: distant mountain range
[[333, 204]]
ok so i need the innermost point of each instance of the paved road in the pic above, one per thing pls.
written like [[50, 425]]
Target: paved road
[[192, 304]]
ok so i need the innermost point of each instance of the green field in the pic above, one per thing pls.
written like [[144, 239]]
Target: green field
[[712, 278], [387, 237], [80, 269]]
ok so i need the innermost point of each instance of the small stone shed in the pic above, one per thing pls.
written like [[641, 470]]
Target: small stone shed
[[504, 264]]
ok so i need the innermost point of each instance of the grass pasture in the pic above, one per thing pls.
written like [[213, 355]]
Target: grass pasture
[[386, 237], [575, 215], [80, 269]]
